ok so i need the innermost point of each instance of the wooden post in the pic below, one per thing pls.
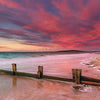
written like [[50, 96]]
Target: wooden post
[[40, 72], [14, 69], [73, 74], [78, 73]]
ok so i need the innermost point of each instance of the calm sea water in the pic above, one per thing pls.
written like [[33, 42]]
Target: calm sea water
[[9, 55]]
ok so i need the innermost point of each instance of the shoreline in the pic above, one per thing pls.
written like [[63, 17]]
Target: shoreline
[[24, 88], [95, 62], [51, 63]]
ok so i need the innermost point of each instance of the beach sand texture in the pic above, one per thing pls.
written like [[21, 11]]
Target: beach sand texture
[[95, 62], [20, 88]]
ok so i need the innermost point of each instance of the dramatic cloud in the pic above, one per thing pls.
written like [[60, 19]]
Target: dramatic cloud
[[66, 24]]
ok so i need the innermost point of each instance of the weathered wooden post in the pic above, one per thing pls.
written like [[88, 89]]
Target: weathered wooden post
[[40, 72], [14, 69], [73, 74], [77, 75]]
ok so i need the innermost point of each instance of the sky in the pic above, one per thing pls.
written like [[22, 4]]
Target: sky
[[49, 25]]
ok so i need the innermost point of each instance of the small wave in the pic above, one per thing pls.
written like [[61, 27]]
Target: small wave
[[86, 89], [83, 88]]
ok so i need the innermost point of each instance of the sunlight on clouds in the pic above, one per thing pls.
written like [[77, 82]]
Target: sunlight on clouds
[[8, 45], [41, 25]]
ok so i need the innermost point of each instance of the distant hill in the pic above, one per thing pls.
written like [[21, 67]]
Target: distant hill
[[72, 51]]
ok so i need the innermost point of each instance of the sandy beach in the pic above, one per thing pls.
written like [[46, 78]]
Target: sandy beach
[[19, 88], [56, 65], [23, 88], [49, 49], [95, 62]]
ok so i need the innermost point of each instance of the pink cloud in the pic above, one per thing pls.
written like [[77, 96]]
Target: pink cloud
[[73, 26], [11, 4]]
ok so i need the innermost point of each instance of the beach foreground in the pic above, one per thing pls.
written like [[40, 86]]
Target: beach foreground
[[20, 88]]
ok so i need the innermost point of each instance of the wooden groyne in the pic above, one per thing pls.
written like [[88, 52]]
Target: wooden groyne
[[76, 73], [79, 79], [34, 75]]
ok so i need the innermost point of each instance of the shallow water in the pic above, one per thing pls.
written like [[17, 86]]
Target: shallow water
[[18, 88], [55, 65]]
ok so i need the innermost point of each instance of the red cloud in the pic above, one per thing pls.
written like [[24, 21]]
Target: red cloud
[[11, 4], [91, 11], [73, 26]]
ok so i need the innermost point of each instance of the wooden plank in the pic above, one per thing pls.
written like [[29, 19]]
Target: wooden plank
[[34, 75], [90, 83], [57, 78], [84, 78], [18, 73]]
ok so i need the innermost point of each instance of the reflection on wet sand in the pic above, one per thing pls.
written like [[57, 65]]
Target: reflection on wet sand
[[14, 81], [20, 88], [39, 85]]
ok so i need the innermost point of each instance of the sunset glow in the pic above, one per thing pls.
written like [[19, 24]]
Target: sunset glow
[[47, 25]]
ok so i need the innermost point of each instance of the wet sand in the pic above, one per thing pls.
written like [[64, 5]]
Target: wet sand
[[19, 88]]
